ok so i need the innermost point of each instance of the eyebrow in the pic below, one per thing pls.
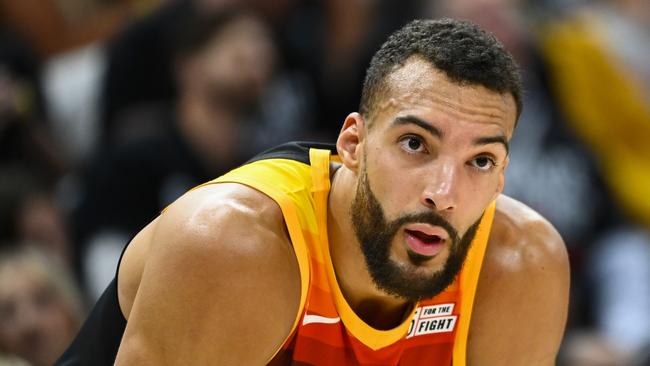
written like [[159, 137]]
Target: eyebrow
[[499, 139], [410, 119]]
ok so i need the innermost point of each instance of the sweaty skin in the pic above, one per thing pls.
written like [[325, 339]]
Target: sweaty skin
[[191, 283]]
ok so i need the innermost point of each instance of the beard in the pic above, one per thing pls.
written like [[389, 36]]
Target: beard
[[375, 235]]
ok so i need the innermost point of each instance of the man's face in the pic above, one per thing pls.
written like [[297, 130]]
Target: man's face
[[433, 158], [376, 235], [236, 66], [35, 322]]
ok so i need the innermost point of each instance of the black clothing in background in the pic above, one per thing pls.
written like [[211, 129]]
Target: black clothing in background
[[128, 184]]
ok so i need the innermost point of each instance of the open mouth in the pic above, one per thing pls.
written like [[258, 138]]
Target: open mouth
[[425, 238]]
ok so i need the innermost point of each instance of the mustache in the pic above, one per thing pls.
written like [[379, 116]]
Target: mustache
[[431, 218]]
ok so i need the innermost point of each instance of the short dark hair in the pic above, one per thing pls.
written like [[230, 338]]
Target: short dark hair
[[460, 49]]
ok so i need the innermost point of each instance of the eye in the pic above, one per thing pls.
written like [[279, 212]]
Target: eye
[[483, 163], [412, 144]]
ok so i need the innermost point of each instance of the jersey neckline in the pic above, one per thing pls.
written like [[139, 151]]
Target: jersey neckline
[[372, 337]]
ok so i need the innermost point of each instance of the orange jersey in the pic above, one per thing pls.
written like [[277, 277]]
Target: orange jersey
[[326, 331]]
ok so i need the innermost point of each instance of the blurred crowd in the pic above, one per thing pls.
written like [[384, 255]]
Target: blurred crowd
[[111, 109]]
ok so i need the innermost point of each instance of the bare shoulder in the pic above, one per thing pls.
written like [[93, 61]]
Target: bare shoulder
[[212, 258], [522, 232], [522, 297], [206, 214]]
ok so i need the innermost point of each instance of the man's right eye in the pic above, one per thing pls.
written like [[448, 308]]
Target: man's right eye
[[412, 144]]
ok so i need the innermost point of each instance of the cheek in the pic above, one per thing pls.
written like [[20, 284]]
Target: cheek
[[392, 185], [481, 190], [474, 201]]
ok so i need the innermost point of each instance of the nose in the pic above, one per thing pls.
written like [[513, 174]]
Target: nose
[[439, 193]]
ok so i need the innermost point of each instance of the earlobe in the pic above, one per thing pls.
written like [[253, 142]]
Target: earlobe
[[349, 141]]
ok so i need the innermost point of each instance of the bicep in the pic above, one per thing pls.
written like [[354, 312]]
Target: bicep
[[217, 289]]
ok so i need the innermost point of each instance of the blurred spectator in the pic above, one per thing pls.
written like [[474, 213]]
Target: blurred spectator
[[29, 213], [140, 70], [324, 47], [139, 63], [224, 63], [600, 72], [24, 130], [40, 307]]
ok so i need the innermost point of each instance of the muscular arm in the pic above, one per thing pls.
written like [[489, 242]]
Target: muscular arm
[[522, 297], [220, 284]]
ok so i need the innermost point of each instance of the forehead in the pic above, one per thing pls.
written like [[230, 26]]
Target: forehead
[[419, 86]]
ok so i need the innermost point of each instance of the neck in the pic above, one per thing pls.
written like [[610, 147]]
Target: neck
[[376, 308]]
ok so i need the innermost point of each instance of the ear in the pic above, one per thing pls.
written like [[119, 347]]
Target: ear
[[349, 144], [502, 178]]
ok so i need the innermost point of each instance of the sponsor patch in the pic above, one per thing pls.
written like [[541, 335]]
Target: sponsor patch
[[433, 319]]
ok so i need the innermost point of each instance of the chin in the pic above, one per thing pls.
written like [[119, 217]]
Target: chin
[[418, 268]]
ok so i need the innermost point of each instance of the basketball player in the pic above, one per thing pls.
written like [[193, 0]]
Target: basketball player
[[393, 247]]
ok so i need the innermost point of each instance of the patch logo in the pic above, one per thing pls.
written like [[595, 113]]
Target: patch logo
[[433, 319]]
